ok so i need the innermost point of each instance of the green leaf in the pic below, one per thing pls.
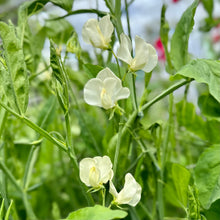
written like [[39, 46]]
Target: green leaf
[[14, 74], [214, 212], [177, 185], [179, 42], [92, 70], [67, 4], [187, 117], [96, 213], [59, 30], [204, 71], [208, 5], [209, 106], [207, 176]]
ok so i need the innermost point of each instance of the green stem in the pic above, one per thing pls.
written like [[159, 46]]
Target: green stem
[[146, 211], [116, 58], [117, 149], [81, 11], [133, 90], [32, 157], [35, 127], [109, 6], [103, 196], [134, 115], [127, 17], [27, 205]]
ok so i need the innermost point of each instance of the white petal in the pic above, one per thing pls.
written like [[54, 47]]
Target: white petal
[[106, 28], [124, 51], [131, 192], [106, 73], [123, 93], [152, 59], [94, 176], [112, 190], [135, 200], [145, 55], [104, 165], [92, 91], [91, 34], [84, 168]]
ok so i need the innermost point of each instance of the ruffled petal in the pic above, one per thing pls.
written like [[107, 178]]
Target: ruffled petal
[[129, 193], [152, 59], [84, 169], [91, 33], [92, 92], [123, 93], [105, 167], [112, 190], [106, 28], [145, 55], [106, 73], [137, 197], [124, 51]]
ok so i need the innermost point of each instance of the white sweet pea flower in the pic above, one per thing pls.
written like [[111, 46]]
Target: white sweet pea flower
[[95, 171], [130, 194], [98, 33], [105, 90], [145, 54]]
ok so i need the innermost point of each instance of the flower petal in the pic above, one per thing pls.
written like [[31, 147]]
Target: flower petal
[[105, 167], [112, 190], [145, 55], [106, 28], [91, 34], [106, 73], [130, 194], [92, 91], [152, 59], [124, 51], [84, 169], [123, 93]]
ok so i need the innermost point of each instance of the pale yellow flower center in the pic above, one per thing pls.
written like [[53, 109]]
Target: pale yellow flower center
[[104, 42], [94, 176], [133, 64], [105, 99]]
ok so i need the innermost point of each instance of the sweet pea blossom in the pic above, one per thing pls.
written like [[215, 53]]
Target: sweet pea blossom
[[105, 90], [95, 171], [130, 194], [98, 33], [145, 54]]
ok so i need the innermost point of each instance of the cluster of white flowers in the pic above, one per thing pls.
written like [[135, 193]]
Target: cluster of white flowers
[[95, 172], [106, 89]]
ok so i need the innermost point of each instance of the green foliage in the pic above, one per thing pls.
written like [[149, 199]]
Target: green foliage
[[58, 30], [208, 5], [179, 42], [207, 174], [46, 128], [209, 106], [204, 71], [96, 213], [176, 188], [13, 73]]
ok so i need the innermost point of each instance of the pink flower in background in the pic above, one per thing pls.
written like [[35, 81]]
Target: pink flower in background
[[216, 34], [175, 1], [160, 49]]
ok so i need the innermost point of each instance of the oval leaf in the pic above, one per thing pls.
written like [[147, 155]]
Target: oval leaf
[[204, 71], [96, 213], [207, 176], [179, 41]]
